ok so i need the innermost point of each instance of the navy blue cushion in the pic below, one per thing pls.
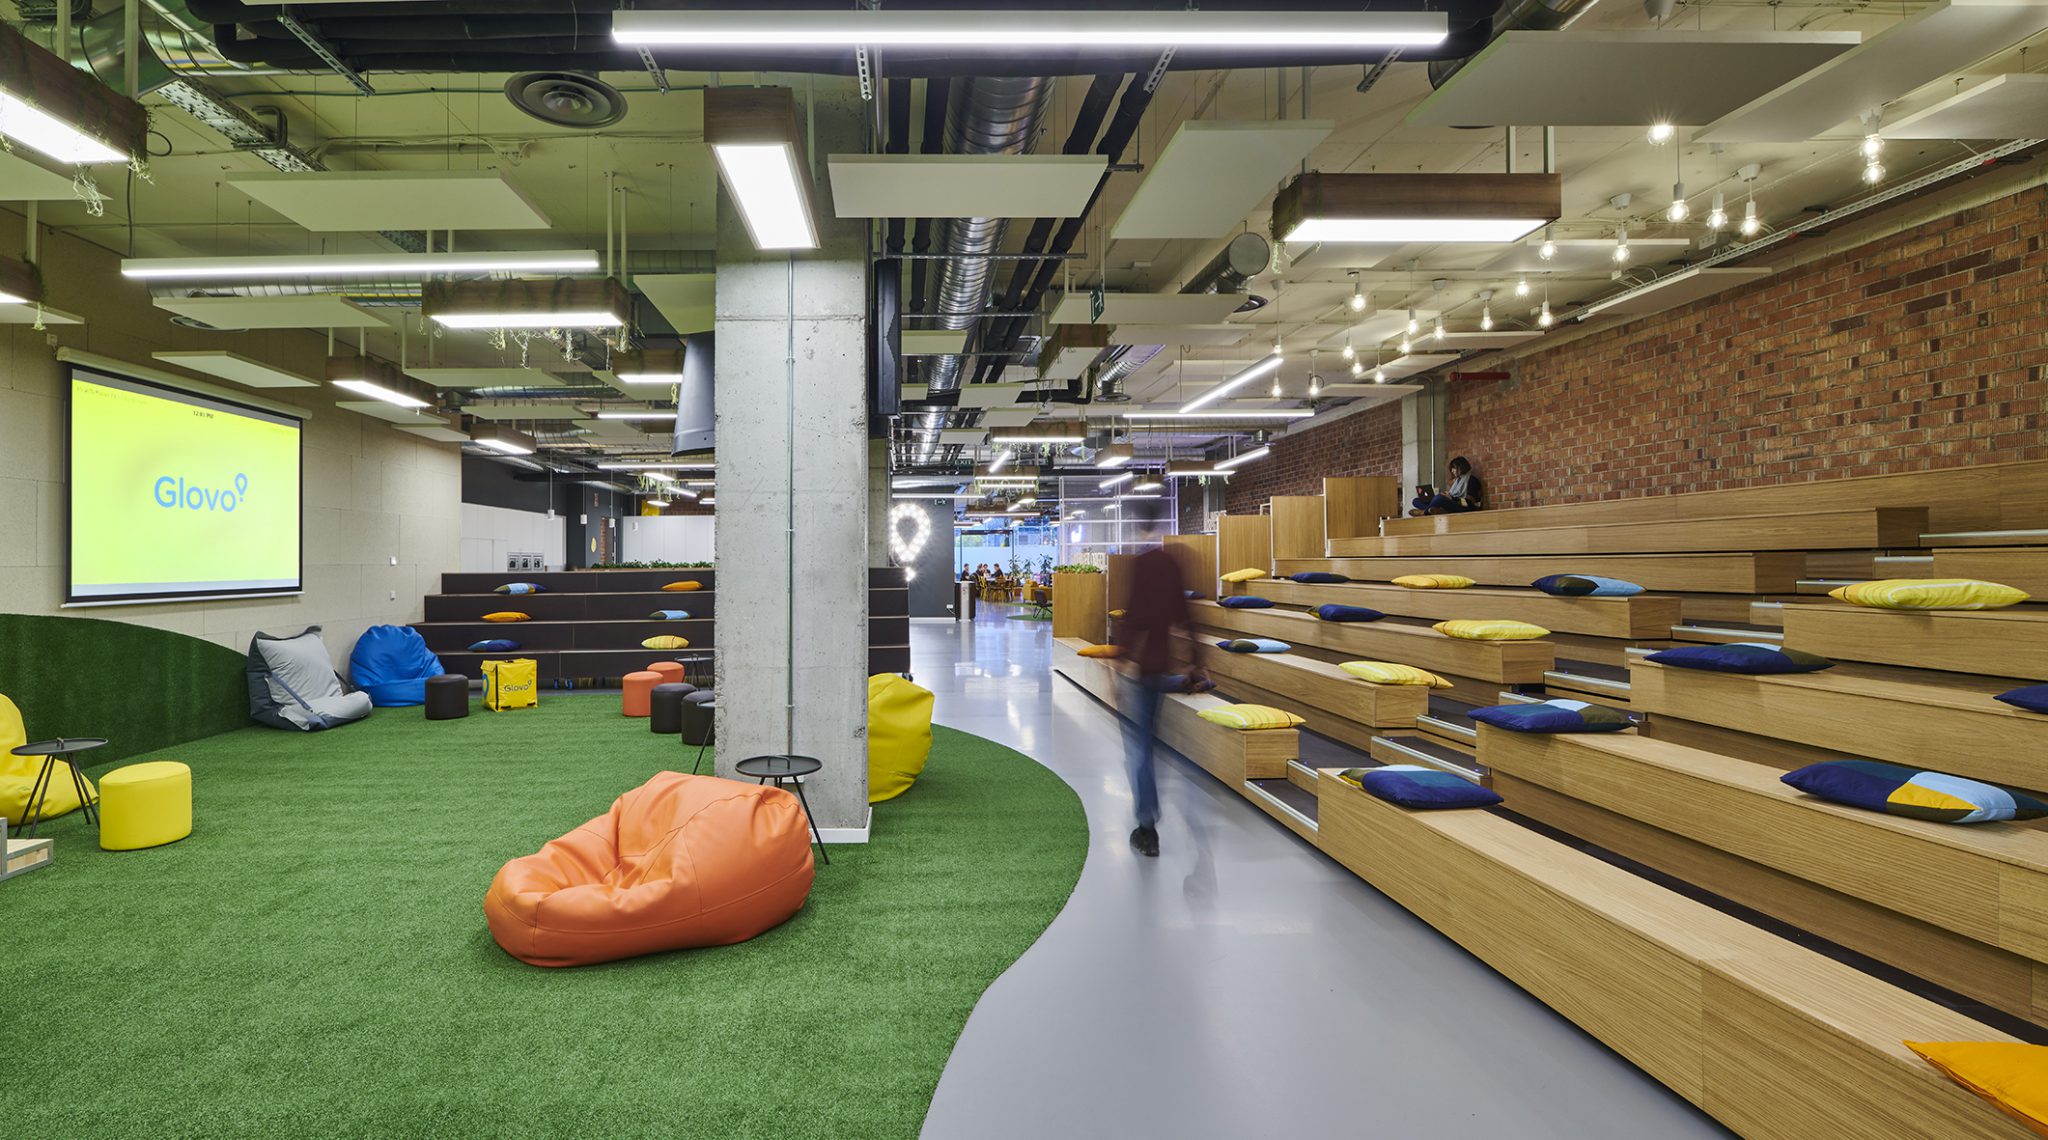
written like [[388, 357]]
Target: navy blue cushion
[[1553, 716], [1320, 578], [1254, 645], [2033, 698], [1585, 586], [1897, 790], [1414, 786], [1245, 602], [1743, 657], [1335, 612], [495, 645]]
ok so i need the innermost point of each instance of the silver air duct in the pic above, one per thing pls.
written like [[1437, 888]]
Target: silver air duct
[[696, 415]]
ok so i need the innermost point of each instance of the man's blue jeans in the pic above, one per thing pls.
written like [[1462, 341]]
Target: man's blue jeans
[[1141, 695]]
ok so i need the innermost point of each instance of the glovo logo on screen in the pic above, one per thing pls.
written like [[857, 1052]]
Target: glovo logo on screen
[[174, 493]]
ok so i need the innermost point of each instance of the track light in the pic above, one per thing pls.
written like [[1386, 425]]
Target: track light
[[1522, 286], [1661, 133], [1548, 250], [1544, 319], [1678, 211], [1621, 246], [1750, 225], [1717, 218]]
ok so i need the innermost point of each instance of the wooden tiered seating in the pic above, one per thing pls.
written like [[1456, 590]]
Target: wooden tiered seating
[[1767, 572], [1499, 662], [1772, 1039], [1810, 530], [1225, 753], [1963, 906], [1296, 683], [2022, 567], [1645, 615], [2010, 642]]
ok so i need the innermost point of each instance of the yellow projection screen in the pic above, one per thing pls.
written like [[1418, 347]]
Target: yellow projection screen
[[178, 496]]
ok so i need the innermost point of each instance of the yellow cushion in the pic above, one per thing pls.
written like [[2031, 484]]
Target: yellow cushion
[[145, 805], [1929, 594], [899, 735], [18, 774], [1389, 673], [1433, 581], [1248, 574], [2008, 1074], [666, 641], [1478, 630], [1116, 613], [1249, 717], [507, 615], [1099, 651], [684, 587], [511, 683]]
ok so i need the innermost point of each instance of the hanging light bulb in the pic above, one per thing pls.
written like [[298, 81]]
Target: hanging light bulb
[[1276, 385], [1350, 353], [1379, 375], [1750, 225], [1315, 385], [1357, 294], [1873, 172], [1439, 333], [1357, 368], [1548, 250], [1486, 318], [1407, 345], [1717, 218], [1414, 326], [1661, 133], [1621, 246], [1277, 349], [1522, 286], [1872, 144], [1544, 319], [1678, 211]]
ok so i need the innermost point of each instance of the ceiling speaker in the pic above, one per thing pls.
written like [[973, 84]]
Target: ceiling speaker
[[566, 98]]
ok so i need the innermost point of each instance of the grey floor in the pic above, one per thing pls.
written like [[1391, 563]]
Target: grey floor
[[1241, 984]]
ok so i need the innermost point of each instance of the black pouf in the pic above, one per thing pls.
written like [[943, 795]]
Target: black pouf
[[447, 696], [701, 697], [696, 724], [665, 707]]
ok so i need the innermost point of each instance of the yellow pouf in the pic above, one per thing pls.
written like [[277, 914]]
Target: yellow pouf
[[145, 805]]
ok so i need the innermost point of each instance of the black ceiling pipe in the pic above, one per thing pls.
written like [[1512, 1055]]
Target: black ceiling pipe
[[937, 92], [898, 142], [1087, 125]]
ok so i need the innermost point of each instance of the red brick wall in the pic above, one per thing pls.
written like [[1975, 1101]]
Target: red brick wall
[[1921, 350], [1368, 443]]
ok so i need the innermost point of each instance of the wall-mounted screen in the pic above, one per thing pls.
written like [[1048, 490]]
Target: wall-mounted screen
[[176, 495]]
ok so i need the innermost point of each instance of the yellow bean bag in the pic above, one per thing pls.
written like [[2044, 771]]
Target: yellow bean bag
[[899, 735], [18, 774]]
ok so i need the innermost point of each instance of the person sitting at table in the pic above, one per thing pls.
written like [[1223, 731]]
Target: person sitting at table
[[1463, 493]]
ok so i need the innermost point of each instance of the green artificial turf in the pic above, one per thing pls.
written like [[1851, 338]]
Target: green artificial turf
[[313, 960]]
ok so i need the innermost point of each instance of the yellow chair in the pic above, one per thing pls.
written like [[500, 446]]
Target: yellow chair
[[145, 805], [18, 774], [899, 735]]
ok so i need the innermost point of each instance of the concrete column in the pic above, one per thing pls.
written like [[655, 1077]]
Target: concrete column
[[878, 502], [793, 485], [1424, 444]]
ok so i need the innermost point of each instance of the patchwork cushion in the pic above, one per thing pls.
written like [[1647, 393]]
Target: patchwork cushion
[[1929, 594], [1254, 645], [1245, 602], [1477, 630], [1585, 586], [1336, 612], [1898, 790], [683, 587], [670, 615], [2033, 698], [1742, 657], [1100, 651], [1319, 578], [1248, 574], [1433, 581], [666, 641], [507, 615], [2011, 1075], [1250, 717], [1553, 716], [1390, 673], [494, 645], [1414, 786], [521, 588]]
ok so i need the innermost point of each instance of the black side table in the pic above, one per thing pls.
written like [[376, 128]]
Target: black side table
[[785, 770], [51, 751]]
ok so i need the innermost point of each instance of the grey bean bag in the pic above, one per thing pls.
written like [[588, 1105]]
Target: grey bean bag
[[292, 684]]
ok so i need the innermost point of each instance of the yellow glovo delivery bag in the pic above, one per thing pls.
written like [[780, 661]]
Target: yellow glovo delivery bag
[[513, 684]]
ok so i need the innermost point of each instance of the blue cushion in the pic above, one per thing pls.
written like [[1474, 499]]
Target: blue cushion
[[1319, 578], [1898, 790], [1254, 645], [670, 615], [1245, 602], [495, 645], [2033, 698], [1335, 612], [1742, 657], [1585, 586], [521, 588], [1414, 786], [1553, 716]]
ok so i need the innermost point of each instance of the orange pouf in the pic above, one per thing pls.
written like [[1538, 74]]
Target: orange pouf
[[671, 671], [679, 861], [640, 692]]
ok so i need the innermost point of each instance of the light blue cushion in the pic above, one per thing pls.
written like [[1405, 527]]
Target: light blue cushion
[[1586, 586], [670, 615]]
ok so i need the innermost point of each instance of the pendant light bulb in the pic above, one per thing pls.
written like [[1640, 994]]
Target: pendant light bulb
[[1486, 318], [1414, 326], [1277, 349], [1872, 144], [1679, 211], [1661, 133], [1439, 333], [1522, 286], [1357, 368], [1621, 247], [1357, 298], [1379, 375], [1544, 319], [1276, 385], [1750, 225], [1315, 385], [1350, 353], [1873, 172], [1717, 218], [1407, 346], [1548, 250]]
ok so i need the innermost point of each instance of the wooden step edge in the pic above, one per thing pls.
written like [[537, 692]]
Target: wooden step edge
[[1719, 635], [1452, 733], [1302, 776], [1279, 809], [1394, 745], [1563, 679]]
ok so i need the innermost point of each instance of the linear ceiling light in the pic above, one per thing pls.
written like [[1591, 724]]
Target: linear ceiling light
[[1114, 480], [655, 465], [368, 376], [752, 132], [648, 365], [1397, 209], [404, 266], [1035, 434], [1243, 457], [57, 110], [998, 31], [502, 439], [1139, 490], [1269, 364], [1115, 455], [1196, 471], [582, 303], [636, 415], [1295, 415]]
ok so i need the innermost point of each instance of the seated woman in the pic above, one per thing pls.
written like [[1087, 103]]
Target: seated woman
[[1463, 493]]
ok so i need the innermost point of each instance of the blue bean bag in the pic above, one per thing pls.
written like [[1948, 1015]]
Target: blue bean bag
[[392, 664]]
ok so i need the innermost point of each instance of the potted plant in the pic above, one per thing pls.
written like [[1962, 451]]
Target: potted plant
[[1080, 602]]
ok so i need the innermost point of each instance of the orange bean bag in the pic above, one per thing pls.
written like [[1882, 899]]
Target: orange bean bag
[[679, 861], [638, 692]]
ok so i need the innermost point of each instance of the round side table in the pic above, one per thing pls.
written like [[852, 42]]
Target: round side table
[[52, 751], [786, 770]]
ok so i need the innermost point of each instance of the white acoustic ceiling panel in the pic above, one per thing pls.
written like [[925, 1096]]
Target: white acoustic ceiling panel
[[1212, 174], [1375, 329], [1678, 289], [1373, 393], [965, 437], [297, 311], [1397, 368], [1330, 255], [1147, 308], [1013, 416], [1578, 255], [2002, 107], [964, 185], [240, 369], [341, 201], [24, 180], [32, 314], [392, 413], [439, 434], [934, 342], [991, 395], [485, 377], [686, 300], [1206, 336], [915, 391], [1622, 79], [523, 410], [1498, 338], [1941, 39]]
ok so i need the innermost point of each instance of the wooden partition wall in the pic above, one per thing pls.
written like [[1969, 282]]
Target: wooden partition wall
[[1298, 526], [1354, 505], [1244, 541]]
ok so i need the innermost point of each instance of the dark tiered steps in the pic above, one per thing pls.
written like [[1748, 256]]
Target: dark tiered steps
[[586, 624]]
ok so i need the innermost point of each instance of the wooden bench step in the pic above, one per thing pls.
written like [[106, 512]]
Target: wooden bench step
[[1741, 572], [1427, 751], [1986, 885], [1645, 615], [1702, 634], [2024, 568], [1774, 1040], [1815, 530], [1294, 807], [1500, 662], [2006, 642], [1302, 685], [1982, 538], [1225, 753]]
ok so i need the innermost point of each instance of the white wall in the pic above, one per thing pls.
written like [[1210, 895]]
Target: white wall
[[667, 538], [489, 534]]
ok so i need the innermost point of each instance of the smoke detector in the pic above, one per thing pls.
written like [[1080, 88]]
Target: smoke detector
[[566, 98]]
